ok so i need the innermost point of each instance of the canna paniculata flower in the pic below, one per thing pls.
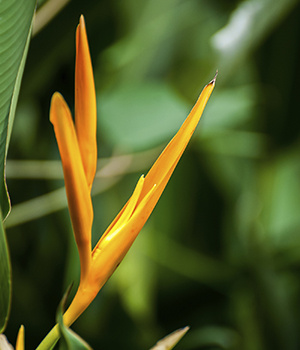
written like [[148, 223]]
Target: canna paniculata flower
[[78, 151]]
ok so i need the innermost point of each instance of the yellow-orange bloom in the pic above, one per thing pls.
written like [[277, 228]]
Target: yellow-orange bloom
[[78, 150]]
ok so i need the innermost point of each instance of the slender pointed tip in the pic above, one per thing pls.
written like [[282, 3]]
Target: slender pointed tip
[[81, 21], [56, 95], [81, 24], [214, 79]]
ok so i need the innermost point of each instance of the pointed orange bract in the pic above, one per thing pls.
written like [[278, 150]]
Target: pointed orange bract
[[85, 104], [79, 200], [152, 187], [78, 150], [120, 235]]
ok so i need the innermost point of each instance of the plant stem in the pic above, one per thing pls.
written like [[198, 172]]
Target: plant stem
[[50, 340]]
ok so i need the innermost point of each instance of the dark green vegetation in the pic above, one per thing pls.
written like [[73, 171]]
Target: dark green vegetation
[[221, 251]]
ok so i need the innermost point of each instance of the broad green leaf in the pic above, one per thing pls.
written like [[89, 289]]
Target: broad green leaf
[[140, 116], [168, 342], [5, 280], [15, 27], [69, 339], [230, 109]]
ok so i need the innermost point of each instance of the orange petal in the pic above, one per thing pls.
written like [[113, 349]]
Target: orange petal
[[117, 239], [164, 166], [105, 259], [109, 253], [85, 104], [79, 200], [120, 235], [83, 298], [126, 212], [131, 203]]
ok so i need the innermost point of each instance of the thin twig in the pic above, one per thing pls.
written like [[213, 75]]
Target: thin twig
[[46, 13]]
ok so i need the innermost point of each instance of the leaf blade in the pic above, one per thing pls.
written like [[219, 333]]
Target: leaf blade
[[15, 28], [69, 339]]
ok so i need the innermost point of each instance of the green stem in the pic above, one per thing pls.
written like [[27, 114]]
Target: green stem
[[50, 340]]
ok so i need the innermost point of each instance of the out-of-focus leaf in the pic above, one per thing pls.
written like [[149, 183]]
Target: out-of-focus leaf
[[136, 280], [5, 280], [155, 27], [235, 143], [248, 25], [214, 337], [140, 116], [15, 28], [198, 267], [69, 339], [168, 342], [229, 109], [279, 190]]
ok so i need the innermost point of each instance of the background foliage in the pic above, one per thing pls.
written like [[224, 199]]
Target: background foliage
[[221, 251]]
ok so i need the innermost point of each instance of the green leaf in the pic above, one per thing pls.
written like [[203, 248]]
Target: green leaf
[[248, 25], [69, 339], [230, 109], [15, 28], [140, 116], [279, 194], [168, 342], [5, 280]]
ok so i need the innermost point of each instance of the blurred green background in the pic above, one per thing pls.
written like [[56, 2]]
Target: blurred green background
[[221, 252]]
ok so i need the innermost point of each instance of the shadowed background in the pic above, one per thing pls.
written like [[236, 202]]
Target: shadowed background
[[221, 252]]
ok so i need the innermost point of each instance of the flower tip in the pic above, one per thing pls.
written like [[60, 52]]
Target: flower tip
[[215, 77], [57, 101], [56, 96], [81, 21]]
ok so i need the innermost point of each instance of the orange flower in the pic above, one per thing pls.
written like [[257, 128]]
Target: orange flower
[[78, 150]]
